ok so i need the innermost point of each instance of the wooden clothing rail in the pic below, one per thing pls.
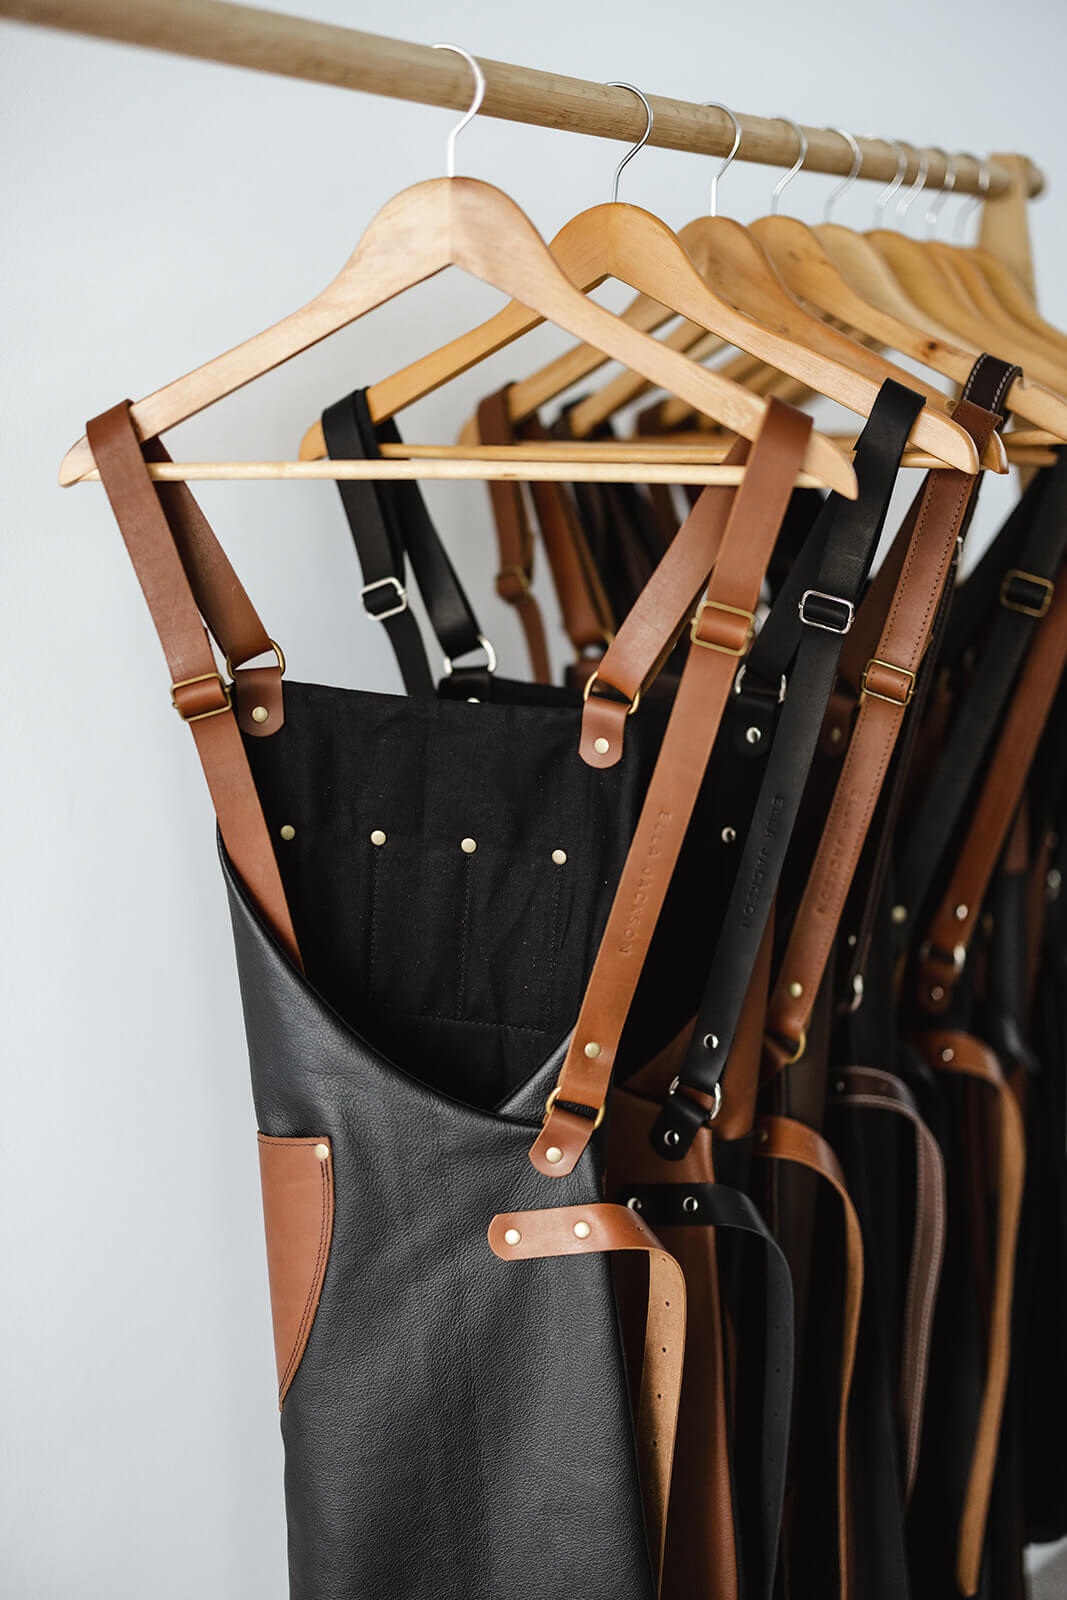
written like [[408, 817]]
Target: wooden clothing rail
[[295, 47]]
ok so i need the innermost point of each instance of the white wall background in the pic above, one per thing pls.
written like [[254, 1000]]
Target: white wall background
[[157, 211]]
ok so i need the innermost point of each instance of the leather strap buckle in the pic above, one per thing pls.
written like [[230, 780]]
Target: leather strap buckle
[[203, 677], [588, 689], [490, 658], [1026, 592], [833, 615], [389, 611], [520, 577], [880, 694], [732, 611]]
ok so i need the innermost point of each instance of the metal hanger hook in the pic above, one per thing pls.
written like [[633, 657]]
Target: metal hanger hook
[[787, 177], [973, 201], [716, 105], [940, 196], [894, 183], [853, 172], [905, 205], [628, 157], [471, 113]]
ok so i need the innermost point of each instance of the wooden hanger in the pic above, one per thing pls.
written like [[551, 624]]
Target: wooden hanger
[[466, 223], [628, 243]]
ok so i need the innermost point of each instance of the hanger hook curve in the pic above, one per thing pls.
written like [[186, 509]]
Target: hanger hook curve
[[904, 206], [716, 105], [787, 177], [894, 183], [973, 201], [853, 172], [940, 196], [628, 157], [468, 115]]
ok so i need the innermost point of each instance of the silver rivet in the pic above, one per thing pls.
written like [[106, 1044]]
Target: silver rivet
[[753, 735], [601, 746], [835, 735], [851, 941], [795, 990], [377, 837], [322, 1152], [762, 1135], [690, 1204], [948, 1054], [672, 1137], [634, 1203], [559, 857], [937, 993], [728, 835], [287, 830], [840, 1086], [711, 1041], [899, 914], [959, 954], [1053, 880], [468, 846], [472, 700], [553, 1155], [592, 1049], [512, 1236], [260, 713], [582, 1230], [961, 913]]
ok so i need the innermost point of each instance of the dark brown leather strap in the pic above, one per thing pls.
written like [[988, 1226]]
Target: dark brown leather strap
[[721, 632], [595, 1230], [867, 1088], [961, 1053], [199, 692], [944, 952], [583, 603], [514, 538], [887, 683]]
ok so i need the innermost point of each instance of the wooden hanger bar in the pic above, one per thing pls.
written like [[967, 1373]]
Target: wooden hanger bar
[[296, 47], [478, 467]]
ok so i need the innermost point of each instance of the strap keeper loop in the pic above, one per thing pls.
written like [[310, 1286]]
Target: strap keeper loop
[[886, 693], [390, 610], [1017, 592], [730, 611], [212, 711], [834, 615]]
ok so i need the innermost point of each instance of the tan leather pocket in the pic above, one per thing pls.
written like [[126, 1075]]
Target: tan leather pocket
[[297, 1178]]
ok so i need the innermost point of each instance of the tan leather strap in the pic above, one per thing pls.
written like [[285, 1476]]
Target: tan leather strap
[[514, 539], [782, 1139], [944, 952], [887, 682], [961, 1053], [867, 1088], [721, 631], [651, 629], [583, 603], [198, 690], [594, 1230]]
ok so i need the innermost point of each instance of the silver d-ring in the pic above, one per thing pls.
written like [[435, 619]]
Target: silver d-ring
[[490, 657], [675, 1085]]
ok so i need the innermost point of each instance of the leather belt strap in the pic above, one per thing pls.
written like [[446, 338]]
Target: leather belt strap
[[887, 684], [944, 953], [867, 1088], [583, 603], [595, 1230], [721, 631], [712, 1205], [782, 1139], [961, 1053], [378, 546], [515, 538], [1025, 594], [812, 631], [198, 690]]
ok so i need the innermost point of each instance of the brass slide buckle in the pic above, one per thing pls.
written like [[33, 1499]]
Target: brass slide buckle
[[554, 1096], [204, 677], [733, 611]]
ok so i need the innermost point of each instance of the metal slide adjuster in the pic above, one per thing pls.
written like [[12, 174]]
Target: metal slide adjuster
[[839, 621], [675, 1086], [891, 699], [733, 611], [1016, 592], [204, 677], [391, 611]]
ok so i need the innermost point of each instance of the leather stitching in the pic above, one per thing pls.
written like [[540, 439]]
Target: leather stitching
[[311, 1303]]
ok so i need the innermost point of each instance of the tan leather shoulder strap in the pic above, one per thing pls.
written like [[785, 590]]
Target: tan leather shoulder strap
[[514, 538], [199, 693]]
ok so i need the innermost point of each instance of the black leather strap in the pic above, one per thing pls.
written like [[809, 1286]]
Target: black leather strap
[[849, 532], [760, 1456]]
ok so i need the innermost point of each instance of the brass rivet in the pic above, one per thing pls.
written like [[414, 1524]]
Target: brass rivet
[[322, 1152], [553, 1155], [959, 954], [260, 713], [753, 735], [728, 835], [559, 857], [796, 990], [762, 1135], [592, 1049], [937, 993], [690, 1204], [961, 913], [948, 1054], [601, 746], [851, 941], [835, 735], [899, 914], [377, 837], [468, 846], [582, 1230], [512, 1236], [287, 831]]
